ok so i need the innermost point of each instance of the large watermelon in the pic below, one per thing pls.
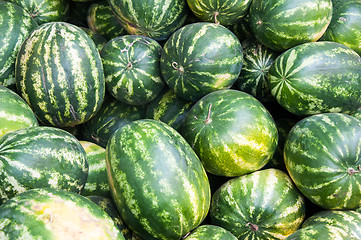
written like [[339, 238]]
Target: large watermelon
[[156, 19], [15, 25], [158, 183], [55, 214], [262, 205], [231, 131], [322, 155], [60, 75], [345, 25], [206, 232], [317, 77], [37, 157], [201, 58], [131, 68], [14, 112], [282, 24]]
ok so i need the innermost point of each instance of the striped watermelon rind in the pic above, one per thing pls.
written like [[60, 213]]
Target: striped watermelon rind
[[15, 113], [321, 154], [159, 186], [60, 74], [208, 231]]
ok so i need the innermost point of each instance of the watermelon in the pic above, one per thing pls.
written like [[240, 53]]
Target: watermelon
[[15, 25], [131, 68], [322, 156], [60, 74], [201, 58], [97, 181], [225, 12], [37, 157], [98, 39], [282, 24], [317, 77], [158, 184], [111, 115], [108, 206], [345, 24], [324, 232], [55, 214], [102, 20], [14, 112], [261, 205], [169, 108], [231, 132], [151, 18], [206, 232], [44, 11], [257, 60], [347, 220]]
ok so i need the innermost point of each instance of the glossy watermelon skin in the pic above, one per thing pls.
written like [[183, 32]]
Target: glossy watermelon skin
[[60, 75], [102, 20], [15, 25], [344, 27], [201, 58], [55, 214], [111, 115], [213, 232], [43, 11], [37, 157], [97, 180], [261, 205], [282, 24], [257, 59], [108, 206], [321, 155], [131, 68], [15, 113], [347, 220], [225, 12], [226, 147], [169, 108], [159, 186], [325, 232], [317, 77], [154, 19]]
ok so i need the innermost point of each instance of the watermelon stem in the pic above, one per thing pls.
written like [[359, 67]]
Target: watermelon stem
[[253, 227], [129, 65], [175, 66], [208, 119], [352, 171], [215, 18]]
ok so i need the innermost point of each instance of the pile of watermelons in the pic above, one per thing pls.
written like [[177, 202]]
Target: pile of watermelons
[[180, 119]]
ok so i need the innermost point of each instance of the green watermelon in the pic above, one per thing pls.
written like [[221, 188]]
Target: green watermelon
[[324, 232], [159, 186], [347, 220], [322, 156], [201, 58], [98, 39], [102, 20], [60, 74], [156, 19], [231, 132], [15, 25], [131, 68], [111, 115], [206, 232], [317, 77], [108, 206], [55, 214], [14, 112], [225, 12], [38, 157], [44, 11], [261, 205], [169, 108], [257, 60], [345, 24], [282, 24], [97, 181]]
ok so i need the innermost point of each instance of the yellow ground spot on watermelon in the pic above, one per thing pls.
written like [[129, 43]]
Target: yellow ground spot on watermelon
[[66, 221], [220, 80]]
